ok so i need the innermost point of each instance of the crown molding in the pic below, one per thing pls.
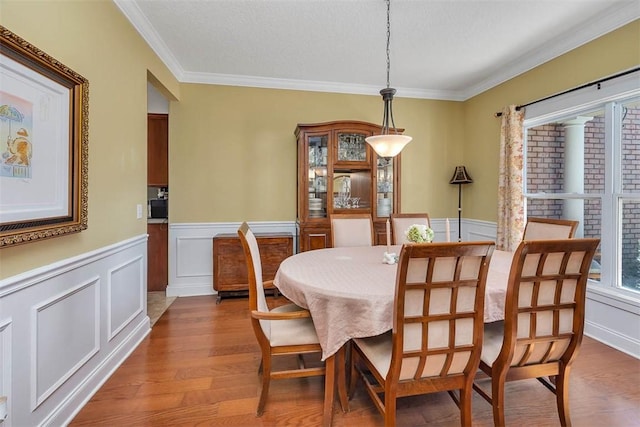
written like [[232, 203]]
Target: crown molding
[[311, 86], [140, 22], [614, 18]]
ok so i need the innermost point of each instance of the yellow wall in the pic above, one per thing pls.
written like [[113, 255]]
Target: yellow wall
[[607, 55], [233, 151], [95, 40]]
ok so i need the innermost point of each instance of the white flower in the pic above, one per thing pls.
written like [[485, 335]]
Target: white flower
[[419, 233]]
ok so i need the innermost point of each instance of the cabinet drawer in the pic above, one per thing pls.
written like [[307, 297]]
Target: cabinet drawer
[[314, 238]]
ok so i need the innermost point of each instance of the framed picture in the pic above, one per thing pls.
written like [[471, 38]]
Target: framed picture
[[44, 117]]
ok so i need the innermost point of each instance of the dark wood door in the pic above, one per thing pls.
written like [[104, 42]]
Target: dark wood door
[[158, 150], [157, 257]]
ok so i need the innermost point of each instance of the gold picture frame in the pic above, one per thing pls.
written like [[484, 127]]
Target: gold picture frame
[[44, 153]]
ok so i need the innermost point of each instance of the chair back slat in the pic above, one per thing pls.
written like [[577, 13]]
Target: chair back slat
[[438, 318]]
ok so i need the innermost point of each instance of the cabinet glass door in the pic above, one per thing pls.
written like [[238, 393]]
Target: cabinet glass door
[[317, 178], [384, 206], [351, 150]]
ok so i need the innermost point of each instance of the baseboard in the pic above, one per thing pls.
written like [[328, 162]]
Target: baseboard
[[186, 290], [612, 338]]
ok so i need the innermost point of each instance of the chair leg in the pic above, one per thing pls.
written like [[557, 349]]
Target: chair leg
[[329, 390], [353, 376], [266, 378], [497, 400], [562, 396], [342, 378], [389, 409], [465, 405]]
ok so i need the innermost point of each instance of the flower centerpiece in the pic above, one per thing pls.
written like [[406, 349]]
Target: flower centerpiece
[[419, 233]]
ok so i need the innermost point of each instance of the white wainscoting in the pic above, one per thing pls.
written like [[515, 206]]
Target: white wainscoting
[[191, 250], [5, 358], [611, 318], [191, 253], [65, 327]]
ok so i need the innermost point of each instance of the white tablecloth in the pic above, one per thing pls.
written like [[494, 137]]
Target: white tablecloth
[[496, 289], [350, 292]]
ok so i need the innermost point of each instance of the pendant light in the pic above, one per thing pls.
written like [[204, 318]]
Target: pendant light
[[389, 143]]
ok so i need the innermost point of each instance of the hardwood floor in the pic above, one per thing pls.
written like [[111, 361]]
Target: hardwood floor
[[199, 367]]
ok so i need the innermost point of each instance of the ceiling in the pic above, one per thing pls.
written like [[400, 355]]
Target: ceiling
[[440, 49]]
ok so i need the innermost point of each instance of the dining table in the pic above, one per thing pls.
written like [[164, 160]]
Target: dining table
[[350, 293]]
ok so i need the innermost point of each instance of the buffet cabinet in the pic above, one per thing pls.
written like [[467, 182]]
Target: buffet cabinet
[[229, 265], [338, 172]]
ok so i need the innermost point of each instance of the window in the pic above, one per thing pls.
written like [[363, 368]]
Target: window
[[583, 162]]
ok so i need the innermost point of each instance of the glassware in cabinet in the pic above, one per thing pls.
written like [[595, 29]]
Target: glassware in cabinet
[[351, 150], [352, 191], [317, 176]]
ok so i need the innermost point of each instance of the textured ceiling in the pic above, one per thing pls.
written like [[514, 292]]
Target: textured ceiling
[[440, 49]]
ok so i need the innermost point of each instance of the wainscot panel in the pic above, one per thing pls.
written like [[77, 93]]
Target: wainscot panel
[[66, 327]]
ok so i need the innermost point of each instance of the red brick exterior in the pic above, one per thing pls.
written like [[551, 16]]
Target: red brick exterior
[[545, 160]]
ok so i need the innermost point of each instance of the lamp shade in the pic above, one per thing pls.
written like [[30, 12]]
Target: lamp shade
[[388, 145], [460, 176]]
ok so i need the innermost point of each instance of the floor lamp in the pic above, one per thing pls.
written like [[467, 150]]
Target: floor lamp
[[460, 176]]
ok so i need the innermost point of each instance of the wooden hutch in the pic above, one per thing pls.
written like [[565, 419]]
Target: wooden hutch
[[338, 172]]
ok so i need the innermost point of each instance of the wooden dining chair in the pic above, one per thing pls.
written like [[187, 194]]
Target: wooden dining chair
[[400, 222], [544, 321], [351, 230], [285, 330], [549, 228], [436, 339]]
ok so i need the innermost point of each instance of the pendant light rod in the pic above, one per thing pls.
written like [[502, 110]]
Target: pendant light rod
[[388, 45], [388, 144]]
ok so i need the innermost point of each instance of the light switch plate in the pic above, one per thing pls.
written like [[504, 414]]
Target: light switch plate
[[139, 211]]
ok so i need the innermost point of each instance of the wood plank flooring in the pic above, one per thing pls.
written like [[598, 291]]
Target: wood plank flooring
[[199, 367]]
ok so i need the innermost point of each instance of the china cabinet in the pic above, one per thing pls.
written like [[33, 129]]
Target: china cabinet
[[338, 172]]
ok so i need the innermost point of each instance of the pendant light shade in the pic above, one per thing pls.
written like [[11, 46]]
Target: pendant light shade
[[388, 144]]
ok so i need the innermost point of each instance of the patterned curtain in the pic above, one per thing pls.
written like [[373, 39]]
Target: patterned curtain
[[510, 197]]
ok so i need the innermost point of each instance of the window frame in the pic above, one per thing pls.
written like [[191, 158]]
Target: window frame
[[608, 97]]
